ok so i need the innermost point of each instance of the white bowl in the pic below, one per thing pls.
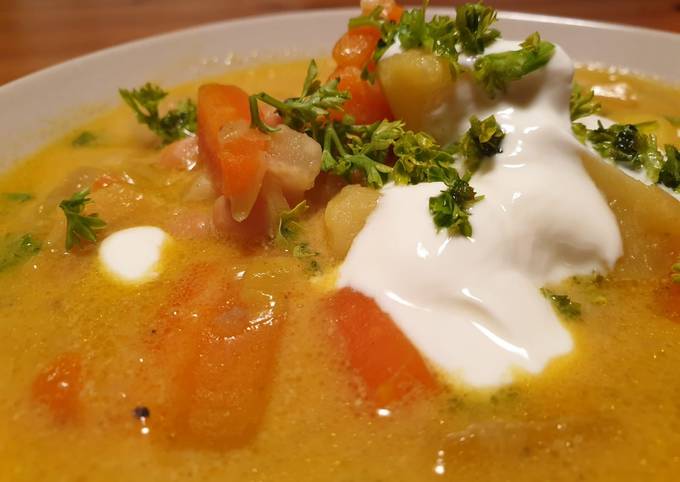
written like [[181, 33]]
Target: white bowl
[[46, 105]]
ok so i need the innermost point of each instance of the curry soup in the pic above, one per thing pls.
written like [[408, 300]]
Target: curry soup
[[105, 380]]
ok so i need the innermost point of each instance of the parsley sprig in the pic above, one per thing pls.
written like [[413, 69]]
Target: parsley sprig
[[307, 113], [495, 71], [80, 227], [176, 124]]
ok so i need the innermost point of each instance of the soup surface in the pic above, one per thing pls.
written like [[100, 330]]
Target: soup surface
[[105, 381]]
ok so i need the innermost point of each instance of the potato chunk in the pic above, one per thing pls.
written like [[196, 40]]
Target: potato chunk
[[414, 83], [346, 214]]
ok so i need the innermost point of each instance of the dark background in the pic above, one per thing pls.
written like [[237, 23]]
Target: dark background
[[38, 33]]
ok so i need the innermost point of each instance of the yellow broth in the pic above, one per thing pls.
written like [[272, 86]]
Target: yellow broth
[[607, 411]]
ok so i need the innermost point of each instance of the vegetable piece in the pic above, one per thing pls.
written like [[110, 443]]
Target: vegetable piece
[[294, 159], [58, 387], [181, 155], [85, 138], [473, 21], [232, 150], [582, 105], [669, 175], [356, 47], [562, 304], [79, 227], [345, 216], [387, 365], [367, 102], [423, 75], [15, 250], [495, 71], [215, 351], [174, 125]]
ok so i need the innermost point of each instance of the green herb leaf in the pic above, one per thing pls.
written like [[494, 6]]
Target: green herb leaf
[[474, 21], [495, 71], [483, 139], [289, 225], [85, 138], [18, 197], [174, 125], [307, 113], [451, 208], [563, 304], [80, 228], [669, 175], [582, 105], [17, 249], [627, 144]]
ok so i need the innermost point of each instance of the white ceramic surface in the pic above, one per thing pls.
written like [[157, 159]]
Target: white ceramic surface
[[50, 103]]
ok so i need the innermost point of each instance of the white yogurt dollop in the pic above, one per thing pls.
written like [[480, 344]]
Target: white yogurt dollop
[[472, 306], [132, 255]]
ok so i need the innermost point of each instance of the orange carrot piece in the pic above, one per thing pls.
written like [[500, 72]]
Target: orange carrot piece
[[235, 161], [58, 387], [218, 362], [356, 47], [387, 364], [368, 103]]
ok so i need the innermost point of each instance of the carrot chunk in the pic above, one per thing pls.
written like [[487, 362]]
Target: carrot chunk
[[216, 354], [368, 103], [388, 366], [356, 47], [232, 150], [58, 387]]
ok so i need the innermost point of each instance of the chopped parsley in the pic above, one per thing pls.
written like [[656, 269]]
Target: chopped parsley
[[483, 139], [495, 71], [289, 225], [15, 249], [473, 22], [176, 124], [450, 210], [669, 175], [18, 197], [302, 113], [85, 138], [80, 227], [563, 304], [582, 105], [634, 146]]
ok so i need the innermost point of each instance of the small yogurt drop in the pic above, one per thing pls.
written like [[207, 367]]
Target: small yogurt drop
[[132, 255], [472, 306]]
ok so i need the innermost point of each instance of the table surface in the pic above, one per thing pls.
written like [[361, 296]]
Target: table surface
[[38, 33]]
